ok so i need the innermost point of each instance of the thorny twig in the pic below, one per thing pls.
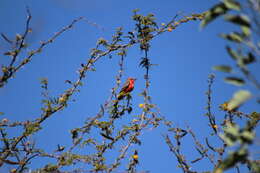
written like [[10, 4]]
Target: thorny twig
[[209, 114], [12, 69], [176, 151], [201, 149]]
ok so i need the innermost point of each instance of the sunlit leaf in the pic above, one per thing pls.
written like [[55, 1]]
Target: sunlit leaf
[[235, 81], [255, 116], [255, 165], [31, 128], [11, 53], [231, 134], [232, 4], [218, 170], [234, 54], [241, 20], [238, 99], [247, 136], [246, 30], [213, 13], [232, 159], [234, 36], [223, 68], [249, 59]]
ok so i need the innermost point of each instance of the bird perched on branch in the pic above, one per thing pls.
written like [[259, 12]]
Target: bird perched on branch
[[127, 88]]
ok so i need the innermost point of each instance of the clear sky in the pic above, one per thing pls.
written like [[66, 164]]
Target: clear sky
[[179, 82]]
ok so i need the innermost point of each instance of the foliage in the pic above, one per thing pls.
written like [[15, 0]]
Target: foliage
[[105, 132]]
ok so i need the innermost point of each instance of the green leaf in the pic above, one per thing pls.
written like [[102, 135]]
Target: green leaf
[[241, 59], [234, 55], [218, 170], [241, 20], [213, 13], [136, 10], [50, 168], [255, 116], [232, 4], [231, 134], [249, 59], [238, 156], [247, 137], [246, 30], [31, 128], [254, 165], [235, 81], [234, 36], [238, 99], [223, 68], [232, 159]]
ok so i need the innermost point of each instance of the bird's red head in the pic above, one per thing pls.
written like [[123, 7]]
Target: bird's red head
[[131, 79]]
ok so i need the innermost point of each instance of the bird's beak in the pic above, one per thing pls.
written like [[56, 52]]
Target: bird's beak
[[135, 79]]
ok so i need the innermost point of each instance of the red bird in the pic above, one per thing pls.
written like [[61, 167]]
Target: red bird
[[127, 88]]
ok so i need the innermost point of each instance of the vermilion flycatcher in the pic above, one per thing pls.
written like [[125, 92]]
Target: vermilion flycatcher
[[127, 88]]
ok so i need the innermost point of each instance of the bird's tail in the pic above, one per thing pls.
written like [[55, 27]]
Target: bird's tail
[[120, 96]]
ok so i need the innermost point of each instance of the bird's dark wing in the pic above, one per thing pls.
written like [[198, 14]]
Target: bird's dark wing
[[125, 86]]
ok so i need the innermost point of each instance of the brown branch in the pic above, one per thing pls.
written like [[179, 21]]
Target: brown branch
[[21, 45], [13, 69], [202, 150], [209, 114], [6, 39], [180, 158]]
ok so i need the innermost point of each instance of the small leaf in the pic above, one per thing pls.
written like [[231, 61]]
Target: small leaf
[[11, 53], [234, 36], [213, 13], [238, 99], [231, 4], [231, 134], [145, 62], [247, 137], [255, 116], [234, 157], [241, 60], [218, 170], [246, 30], [254, 165], [234, 55], [227, 139], [235, 81], [249, 59], [31, 128], [241, 20], [223, 68], [18, 37]]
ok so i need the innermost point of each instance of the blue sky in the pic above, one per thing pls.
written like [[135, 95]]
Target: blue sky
[[184, 57]]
